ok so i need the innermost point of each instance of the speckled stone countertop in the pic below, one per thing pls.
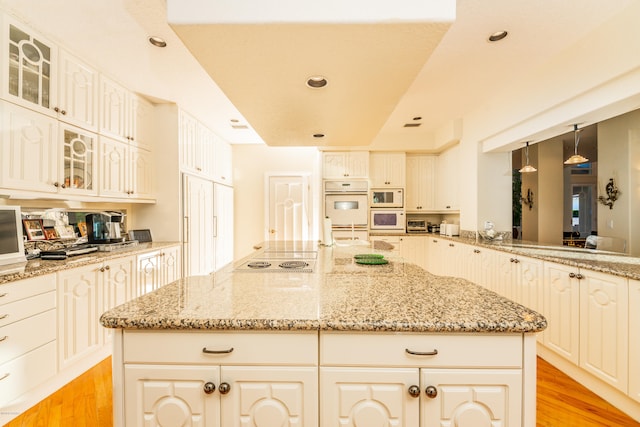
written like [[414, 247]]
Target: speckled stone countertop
[[338, 295], [591, 259], [39, 267]]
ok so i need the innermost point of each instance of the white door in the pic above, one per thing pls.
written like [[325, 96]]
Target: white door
[[288, 208], [198, 251]]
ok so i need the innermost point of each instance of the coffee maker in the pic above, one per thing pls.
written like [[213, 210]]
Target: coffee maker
[[104, 227]]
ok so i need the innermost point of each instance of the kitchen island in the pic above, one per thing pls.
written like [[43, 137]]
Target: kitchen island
[[343, 344]]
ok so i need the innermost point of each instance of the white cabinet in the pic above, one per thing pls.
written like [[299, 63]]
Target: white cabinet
[[157, 268], [387, 170], [443, 257], [634, 339], [126, 171], [414, 250], [117, 286], [481, 265], [345, 164], [219, 379], [562, 310], [223, 225], [447, 181], [198, 226], [77, 93], [79, 303], [197, 145], [29, 67], [78, 166], [421, 172], [604, 327], [29, 150], [124, 115], [27, 335], [222, 161]]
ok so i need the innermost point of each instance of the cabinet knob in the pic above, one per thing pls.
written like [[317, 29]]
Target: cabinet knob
[[431, 392], [579, 276], [102, 269], [451, 245], [56, 184], [64, 112], [224, 388], [414, 391], [572, 275], [209, 387], [107, 268], [476, 251], [56, 109]]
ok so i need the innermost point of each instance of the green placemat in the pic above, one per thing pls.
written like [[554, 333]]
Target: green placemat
[[371, 261], [368, 256]]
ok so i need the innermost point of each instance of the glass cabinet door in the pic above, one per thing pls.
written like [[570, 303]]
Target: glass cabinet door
[[79, 160], [30, 68]]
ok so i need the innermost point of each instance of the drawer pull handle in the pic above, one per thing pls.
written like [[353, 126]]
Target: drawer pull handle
[[209, 387], [204, 350], [431, 392], [4, 338], [422, 353], [4, 376], [4, 316]]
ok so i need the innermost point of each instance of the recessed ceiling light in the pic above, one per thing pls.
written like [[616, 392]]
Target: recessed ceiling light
[[498, 35], [318, 135], [157, 41], [316, 82], [417, 118]]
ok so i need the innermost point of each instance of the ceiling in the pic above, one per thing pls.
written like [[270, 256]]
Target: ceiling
[[431, 76]]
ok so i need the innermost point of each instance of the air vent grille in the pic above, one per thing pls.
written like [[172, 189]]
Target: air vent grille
[[412, 125]]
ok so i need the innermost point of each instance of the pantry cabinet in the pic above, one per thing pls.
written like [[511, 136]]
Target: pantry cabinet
[[387, 170], [421, 173], [345, 164]]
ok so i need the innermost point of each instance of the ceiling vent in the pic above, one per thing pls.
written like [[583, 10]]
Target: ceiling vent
[[240, 126], [412, 125]]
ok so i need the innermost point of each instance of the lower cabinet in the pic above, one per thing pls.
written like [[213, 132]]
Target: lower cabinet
[[156, 269], [414, 250], [634, 340]]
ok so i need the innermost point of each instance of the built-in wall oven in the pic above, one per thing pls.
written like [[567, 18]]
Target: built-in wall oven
[[346, 204]]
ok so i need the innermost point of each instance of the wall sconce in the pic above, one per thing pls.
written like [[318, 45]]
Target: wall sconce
[[612, 194], [529, 200]]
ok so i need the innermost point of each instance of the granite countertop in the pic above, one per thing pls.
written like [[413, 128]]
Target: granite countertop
[[603, 261], [39, 267], [338, 295]]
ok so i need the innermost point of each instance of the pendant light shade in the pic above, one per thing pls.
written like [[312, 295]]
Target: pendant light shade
[[527, 168], [576, 159]]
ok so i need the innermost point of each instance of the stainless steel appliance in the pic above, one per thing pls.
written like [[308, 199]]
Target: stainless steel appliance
[[104, 227], [280, 262], [416, 225], [386, 198], [346, 203], [387, 220]]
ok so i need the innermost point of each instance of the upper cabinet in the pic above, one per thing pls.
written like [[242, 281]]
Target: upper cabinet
[[77, 93], [345, 164], [387, 170], [28, 76], [447, 182], [420, 183]]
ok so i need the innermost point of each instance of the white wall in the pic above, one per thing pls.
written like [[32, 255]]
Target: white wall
[[251, 163]]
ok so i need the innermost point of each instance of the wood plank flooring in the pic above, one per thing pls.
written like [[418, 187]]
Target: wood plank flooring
[[86, 401]]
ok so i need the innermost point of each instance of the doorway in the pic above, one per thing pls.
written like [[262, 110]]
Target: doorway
[[288, 208]]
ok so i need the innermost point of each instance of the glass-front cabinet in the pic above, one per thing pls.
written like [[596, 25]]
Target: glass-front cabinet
[[29, 77], [78, 160]]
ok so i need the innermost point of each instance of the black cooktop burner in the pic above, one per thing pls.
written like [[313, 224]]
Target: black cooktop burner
[[294, 264], [259, 264]]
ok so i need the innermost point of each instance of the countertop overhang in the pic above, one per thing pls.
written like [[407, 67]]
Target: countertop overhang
[[339, 295]]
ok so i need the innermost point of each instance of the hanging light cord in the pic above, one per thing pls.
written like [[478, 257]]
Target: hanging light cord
[[576, 138]]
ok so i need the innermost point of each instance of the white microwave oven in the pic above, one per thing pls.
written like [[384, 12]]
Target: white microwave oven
[[387, 219], [386, 198]]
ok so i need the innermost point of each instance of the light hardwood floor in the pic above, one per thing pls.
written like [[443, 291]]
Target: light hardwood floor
[[86, 401]]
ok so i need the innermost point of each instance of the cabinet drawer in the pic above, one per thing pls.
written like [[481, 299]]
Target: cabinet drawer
[[23, 336], [21, 309], [272, 348], [13, 291], [27, 371], [389, 349]]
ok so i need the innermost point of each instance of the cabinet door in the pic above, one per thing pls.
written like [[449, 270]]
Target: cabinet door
[[634, 339], [114, 168], [118, 279], [78, 93], [149, 275], [222, 162], [357, 164], [447, 181], [561, 307], [113, 109], [270, 396], [531, 277], [206, 151], [604, 327], [29, 78], [334, 165], [78, 164], [29, 150], [79, 303], [368, 397], [470, 398], [413, 249], [223, 225], [140, 176], [387, 169], [170, 265], [420, 181], [159, 395], [188, 141], [198, 247], [140, 121]]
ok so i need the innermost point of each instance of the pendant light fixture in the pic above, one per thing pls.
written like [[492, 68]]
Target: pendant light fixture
[[527, 167], [576, 159]]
